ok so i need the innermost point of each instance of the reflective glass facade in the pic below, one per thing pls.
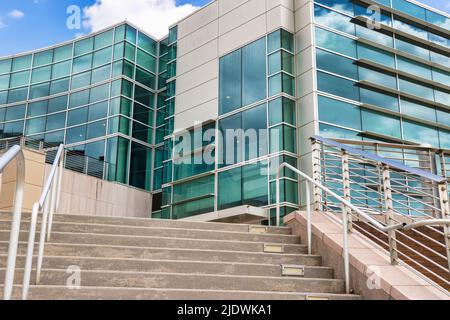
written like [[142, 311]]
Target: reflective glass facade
[[113, 96]]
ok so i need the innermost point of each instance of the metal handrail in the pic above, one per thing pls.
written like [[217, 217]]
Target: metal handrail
[[48, 203], [14, 153], [391, 163], [345, 218]]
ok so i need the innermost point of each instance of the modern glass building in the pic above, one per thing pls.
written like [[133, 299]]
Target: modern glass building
[[280, 71]]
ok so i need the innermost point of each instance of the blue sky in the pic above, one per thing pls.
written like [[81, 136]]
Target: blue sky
[[44, 21]]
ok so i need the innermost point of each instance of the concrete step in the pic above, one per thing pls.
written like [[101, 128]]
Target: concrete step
[[156, 232], [103, 293], [156, 241], [189, 281], [111, 251], [152, 223], [168, 266]]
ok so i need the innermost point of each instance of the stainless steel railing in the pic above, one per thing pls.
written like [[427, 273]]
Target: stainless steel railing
[[403, 185], [14, 153], [47, 205]]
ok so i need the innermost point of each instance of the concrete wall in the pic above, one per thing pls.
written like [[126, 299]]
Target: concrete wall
[[210, 33], [85, 195], [34, 180], [371, 272], [80, 194]]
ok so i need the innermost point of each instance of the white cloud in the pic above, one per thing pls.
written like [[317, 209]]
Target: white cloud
[[153, 16], [2, 24], [17, 14]]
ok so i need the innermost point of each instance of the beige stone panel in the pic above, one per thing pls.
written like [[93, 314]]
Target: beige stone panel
[[197, 57], [306, 109], [305, 133], [242, 35], [202, 113], [304, 16], [305, 61], [10, 172], [198, 19], [197, 76], [300, 3], [304, 38], [226, 6], [288, 4], [31, 195], [280, 17], [305, 83], [197, 96], [7, 195], [197, 38], [242, 14], [32, 155], [35, 173]]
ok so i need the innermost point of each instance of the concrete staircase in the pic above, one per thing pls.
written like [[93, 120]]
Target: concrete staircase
[[123, 258]]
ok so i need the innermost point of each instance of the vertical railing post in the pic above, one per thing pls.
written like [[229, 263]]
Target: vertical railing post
[[445, 208], [346, 189], [389, 204], [316, 147]]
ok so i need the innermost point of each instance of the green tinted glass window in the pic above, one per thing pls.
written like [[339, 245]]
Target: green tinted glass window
[[339, 21], [17, 95], [96, 129], [146, 61], [59, 86], [418, 110], [280, 39], [78, 99], [144, 96], [130, 52], [145, 78], [336, 64], [5, 65], [40, 90], [81, 80], [77, 116], [339, 113], [119, 50], [380, 123], [37, 108], [281, 82], [147, 43], [43, 58], [413, 49], [61, 69], [377, 55], [57, 104], [283, 138], [374, 36], [130, 34], [62, 53], [103, 39], [282, 110], [416, 89], [413, 67], [75, 135], [19, 79], [441, 76], [231, 181], [254, 72], [420, 133], [378, 77], [4, 82], [20, 63], [255, 184], [56, 121], [82, 63], [335, 42], [35, 125], [41, 74], [119, 34], [99, 93], [102, 57], [84, 46], [15, 113], [98, 111], [101, 74], [230, 97], [379, 99]]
